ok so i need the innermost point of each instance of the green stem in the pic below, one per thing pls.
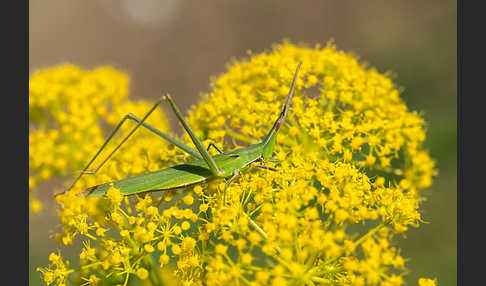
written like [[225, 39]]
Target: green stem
[[67, 272], [389, 170], [149, 264], [255, 225], [127, 205], [127, 276], [370, 233]]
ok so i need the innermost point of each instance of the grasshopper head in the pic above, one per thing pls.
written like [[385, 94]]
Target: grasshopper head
[[269, 141]]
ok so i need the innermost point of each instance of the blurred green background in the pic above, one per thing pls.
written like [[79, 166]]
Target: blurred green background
[[176, 46]]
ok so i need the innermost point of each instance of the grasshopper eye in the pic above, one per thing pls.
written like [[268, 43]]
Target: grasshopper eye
[[235, 156]]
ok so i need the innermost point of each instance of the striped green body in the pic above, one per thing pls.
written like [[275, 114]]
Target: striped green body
[[185, 174]]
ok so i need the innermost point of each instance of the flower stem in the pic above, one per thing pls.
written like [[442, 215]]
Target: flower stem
[[370, 233], [149, 264]]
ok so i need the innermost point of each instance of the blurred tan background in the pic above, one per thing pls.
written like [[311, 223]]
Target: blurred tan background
[[176, 46]]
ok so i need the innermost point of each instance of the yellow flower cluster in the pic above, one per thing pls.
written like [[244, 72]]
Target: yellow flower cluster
[[58, 270], [342, 111], [68, 108], [350, 170], [350, 153]]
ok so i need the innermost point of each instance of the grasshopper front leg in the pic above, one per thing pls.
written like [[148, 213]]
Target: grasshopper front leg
[[236, 172]]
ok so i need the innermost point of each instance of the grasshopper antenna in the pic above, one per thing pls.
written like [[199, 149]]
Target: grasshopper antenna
[[280, 119], [269, 141]]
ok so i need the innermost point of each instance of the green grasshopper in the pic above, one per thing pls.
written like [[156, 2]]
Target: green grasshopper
[[204, 168]]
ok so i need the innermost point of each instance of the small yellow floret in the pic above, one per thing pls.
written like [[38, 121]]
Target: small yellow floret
[[427, 282], [142, 273]]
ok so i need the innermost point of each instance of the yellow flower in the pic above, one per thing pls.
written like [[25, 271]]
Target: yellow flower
[[142, 273], [185, 225], [427, 282], [114, 196], [149, 248], [300, 219], [164, 259], [188, 200], [35, 206], [221, 249]]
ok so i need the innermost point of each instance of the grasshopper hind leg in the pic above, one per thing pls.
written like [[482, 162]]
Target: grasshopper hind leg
[[140, 122]]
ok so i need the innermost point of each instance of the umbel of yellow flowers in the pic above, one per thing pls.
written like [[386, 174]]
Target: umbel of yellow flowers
[[350, 153]]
